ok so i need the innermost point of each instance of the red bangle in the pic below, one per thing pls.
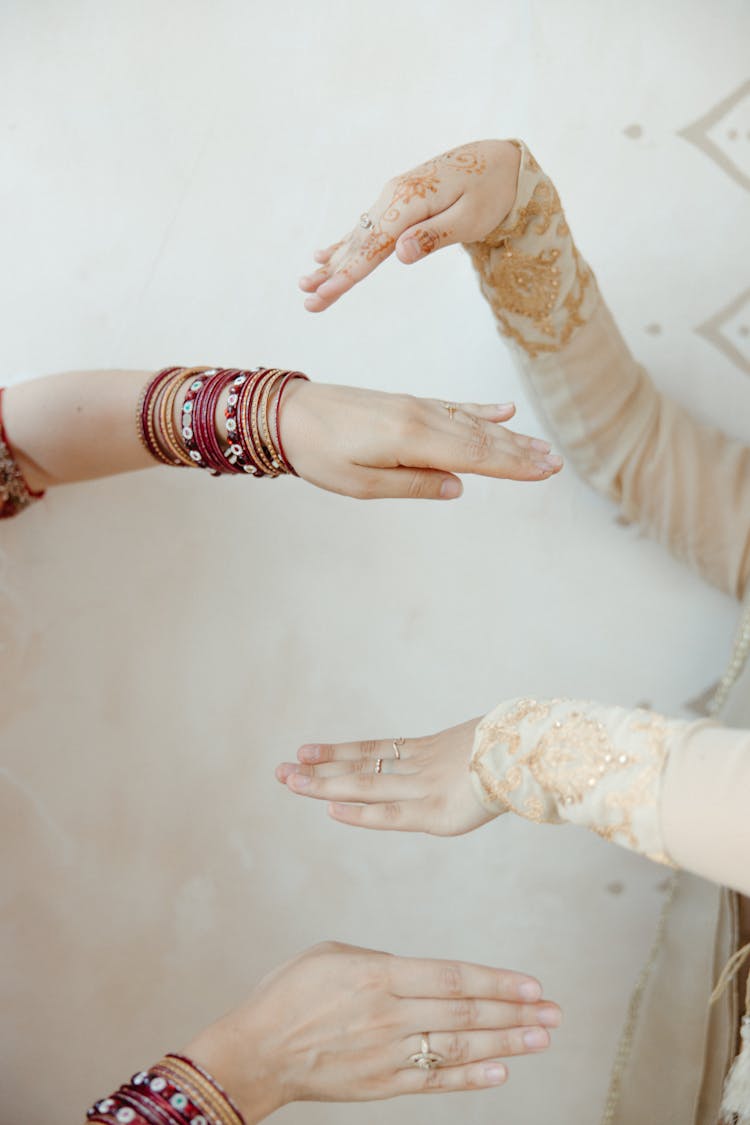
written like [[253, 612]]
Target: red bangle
[[145, 415], [187, 420], [204, 423], [15, 493]]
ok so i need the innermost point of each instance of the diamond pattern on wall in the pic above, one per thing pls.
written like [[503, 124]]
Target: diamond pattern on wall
[[723, 134], [729, 331]]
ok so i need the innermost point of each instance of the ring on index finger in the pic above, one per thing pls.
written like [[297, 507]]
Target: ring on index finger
[[451, 408]]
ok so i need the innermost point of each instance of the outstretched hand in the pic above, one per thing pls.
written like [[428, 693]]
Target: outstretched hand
[[459, 196], [406, 785]]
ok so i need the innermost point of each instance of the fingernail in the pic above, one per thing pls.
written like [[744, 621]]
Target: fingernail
[[536, 1038], [450, 489], [495, 1074], [539, 443], [553, 461], [309, 753], [550, 1017], [530, 990], [410, 250], [300, 781], [503, 406]]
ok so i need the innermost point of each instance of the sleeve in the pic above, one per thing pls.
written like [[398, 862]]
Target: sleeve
[[686, 483], [675, 791]]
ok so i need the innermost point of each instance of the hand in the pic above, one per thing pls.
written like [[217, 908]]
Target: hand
[[369, 444], [459, 196], [339, 1023], [428, 788]]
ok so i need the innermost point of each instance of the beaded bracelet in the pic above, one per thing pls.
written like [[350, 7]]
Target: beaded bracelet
[[175, 1091], [237, 452]]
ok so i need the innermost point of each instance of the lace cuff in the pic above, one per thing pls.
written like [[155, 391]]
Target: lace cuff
[[562, 760], [530, 271], [15, 494]]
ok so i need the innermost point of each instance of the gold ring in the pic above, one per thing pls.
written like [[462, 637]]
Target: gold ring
[[451, 408], [396, 743], [379, 766], [426, 1059]]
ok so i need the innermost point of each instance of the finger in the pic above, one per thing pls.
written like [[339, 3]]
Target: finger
[[354, 751], [425, 238], [345, 768], [469, 1014], [475, 1046], [391, 816], [312, 281], [408, 484], [399, 208], [367, 786], [426, 978], [464, 443], [493, 412], [474, 1076]]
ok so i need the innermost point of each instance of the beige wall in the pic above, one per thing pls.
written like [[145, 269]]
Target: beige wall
[[165, 170]]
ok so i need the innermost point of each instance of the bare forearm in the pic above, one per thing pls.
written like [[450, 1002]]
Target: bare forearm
[[76, 426]]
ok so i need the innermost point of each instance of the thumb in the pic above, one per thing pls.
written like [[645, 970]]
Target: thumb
[[426, 237]]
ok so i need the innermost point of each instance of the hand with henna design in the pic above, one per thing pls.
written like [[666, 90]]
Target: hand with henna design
[[459, 196]]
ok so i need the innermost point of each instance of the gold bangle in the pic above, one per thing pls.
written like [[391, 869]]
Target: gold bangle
[[270, 445], [166, 417], [255, 427], [203, 1093], [148, 438]]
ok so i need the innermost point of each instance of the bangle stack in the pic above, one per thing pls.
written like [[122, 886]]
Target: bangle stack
[[176, 1091], [249, 441]]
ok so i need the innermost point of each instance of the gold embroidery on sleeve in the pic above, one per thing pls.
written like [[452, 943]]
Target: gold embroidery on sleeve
[[523, 281], [569, 768]]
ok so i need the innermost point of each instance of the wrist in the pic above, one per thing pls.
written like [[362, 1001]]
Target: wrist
[[234, 1058]]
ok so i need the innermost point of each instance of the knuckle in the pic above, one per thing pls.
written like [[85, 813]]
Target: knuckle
[[419, 486], [453, 980], [434, 1080], [328, 948], [410, 415], [479, 442], [368, 749], [464, 1013], [391, 812], [458, 1050]]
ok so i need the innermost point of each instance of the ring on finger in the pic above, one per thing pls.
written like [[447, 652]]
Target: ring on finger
[[365, 221], [379, 765], [451, 408], [426, 1059], [397, 742]]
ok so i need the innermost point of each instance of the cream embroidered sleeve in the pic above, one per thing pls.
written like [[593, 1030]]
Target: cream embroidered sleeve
[[675, 791], [686, 483], [563, 760]]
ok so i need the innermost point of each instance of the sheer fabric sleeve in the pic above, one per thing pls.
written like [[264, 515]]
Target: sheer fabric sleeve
[[686, 483]]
